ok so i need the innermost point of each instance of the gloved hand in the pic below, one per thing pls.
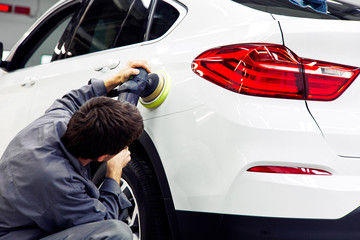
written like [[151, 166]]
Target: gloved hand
[[317, 5]]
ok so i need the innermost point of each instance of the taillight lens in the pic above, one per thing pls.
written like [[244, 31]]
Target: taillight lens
[[272, 70], [5, 8], [288, 170], [327, 81], [22, 10]]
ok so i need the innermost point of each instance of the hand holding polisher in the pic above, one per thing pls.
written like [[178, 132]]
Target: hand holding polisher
[[152, 89]]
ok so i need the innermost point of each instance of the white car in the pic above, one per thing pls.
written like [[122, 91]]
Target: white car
[[259, 136]]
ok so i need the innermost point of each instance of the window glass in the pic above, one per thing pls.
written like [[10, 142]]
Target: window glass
[[134, 27], [164, 17], [37, 47], [100, 26], [110, 23], [339, 9], [44, 52]]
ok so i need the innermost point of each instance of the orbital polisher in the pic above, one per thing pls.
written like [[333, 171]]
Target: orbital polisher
[[151, 89]]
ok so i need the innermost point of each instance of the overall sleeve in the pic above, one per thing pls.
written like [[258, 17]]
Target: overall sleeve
[[73, 100], [113, 198], [74, 206]]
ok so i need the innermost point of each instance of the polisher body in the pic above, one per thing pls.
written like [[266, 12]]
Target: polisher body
[[152, 89]]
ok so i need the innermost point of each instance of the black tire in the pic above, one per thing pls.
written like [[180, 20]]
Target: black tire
[[140, 185]]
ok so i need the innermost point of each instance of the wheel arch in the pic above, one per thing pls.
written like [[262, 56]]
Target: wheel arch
[[145, 146]]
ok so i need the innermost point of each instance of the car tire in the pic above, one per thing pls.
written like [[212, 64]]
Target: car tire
[[139, 184]]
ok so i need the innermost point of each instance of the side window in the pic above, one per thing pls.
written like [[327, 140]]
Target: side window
[[109, 24], [164, 17], [38, 47], [44, 52], [133, 30]]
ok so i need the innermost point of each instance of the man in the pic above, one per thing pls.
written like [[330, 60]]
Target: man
[[45, 186]]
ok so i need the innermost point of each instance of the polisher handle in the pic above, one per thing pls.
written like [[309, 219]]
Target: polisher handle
[[141, 77], [130, 90]]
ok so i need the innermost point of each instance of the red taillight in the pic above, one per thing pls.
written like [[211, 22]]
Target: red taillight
[[272, 70], [327, 81], [22, 10], [5, 8], [288, 170]]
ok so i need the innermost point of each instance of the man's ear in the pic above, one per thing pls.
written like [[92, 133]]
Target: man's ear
[[102, 158]]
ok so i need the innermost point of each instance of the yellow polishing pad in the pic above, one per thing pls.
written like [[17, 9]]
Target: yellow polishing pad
[[160, 93]]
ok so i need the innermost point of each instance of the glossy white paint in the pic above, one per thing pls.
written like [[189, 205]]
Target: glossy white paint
[[207, 137], [333, 41]]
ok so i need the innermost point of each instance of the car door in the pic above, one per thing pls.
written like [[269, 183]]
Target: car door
[[108, 35], [27, 64]]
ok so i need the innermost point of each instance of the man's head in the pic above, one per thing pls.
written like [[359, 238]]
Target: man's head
[[102, 126]]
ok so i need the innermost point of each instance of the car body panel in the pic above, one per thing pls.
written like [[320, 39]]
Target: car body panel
[[333, 41], [14, 103], [191, 120]]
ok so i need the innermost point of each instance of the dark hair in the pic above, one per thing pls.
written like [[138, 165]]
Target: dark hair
[[102, 126]]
